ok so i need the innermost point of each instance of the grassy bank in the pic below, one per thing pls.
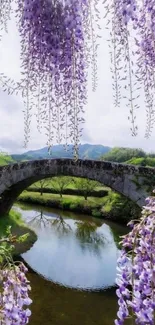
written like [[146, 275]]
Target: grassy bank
[[113, 206], [69, 191], [18, 228]]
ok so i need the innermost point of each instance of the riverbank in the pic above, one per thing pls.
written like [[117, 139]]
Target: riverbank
[[113, 206], [18, 228]]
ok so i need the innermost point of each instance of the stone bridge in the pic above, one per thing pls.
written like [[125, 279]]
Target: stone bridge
[[132, 181]]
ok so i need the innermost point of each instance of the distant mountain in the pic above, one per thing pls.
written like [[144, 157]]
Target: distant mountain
[[86, 151]]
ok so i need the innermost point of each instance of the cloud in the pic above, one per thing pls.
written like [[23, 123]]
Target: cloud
[[8, 145]]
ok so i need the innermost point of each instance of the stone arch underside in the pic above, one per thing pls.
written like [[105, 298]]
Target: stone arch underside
[[17, 177]]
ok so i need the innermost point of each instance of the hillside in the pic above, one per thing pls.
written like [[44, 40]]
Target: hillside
[[86, 151], [121, 155], [146, 161], [130, 156]]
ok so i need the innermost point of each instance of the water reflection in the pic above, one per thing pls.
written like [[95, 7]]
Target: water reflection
[[72, 251], [86, 231], [40, 221], [60, 225], [89, 237]]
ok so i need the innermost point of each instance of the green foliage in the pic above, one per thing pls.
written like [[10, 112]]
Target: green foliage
[[123, 154], [42, 184], [69, 186], [146, 161], [7, 244], [5, 159], [86, 185], [73, 206], [60, 183], [23, 238], [68, 202], [130, 156], [120, 207], [96, 213], [66, 205], [9, 222], [112, 206], [14, 227]]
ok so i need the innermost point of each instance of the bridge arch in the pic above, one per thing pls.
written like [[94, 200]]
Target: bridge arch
[[122, 178]]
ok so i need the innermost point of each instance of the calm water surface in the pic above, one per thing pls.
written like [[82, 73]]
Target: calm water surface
[[74, 259]]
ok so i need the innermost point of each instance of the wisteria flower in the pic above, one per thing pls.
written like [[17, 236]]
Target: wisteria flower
[[136, 270]]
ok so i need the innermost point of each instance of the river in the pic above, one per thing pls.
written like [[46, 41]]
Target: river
[[74, 259]]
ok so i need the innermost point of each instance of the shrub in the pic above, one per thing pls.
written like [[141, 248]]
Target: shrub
[[96, 213]]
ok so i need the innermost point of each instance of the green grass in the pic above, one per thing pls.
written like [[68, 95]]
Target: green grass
[[110, 201], [78, 204], [13, 220], [91, 201], [18, 228]]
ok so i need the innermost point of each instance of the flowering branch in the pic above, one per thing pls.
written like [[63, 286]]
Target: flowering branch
[[54, 68], [136, 270], [14, 285]]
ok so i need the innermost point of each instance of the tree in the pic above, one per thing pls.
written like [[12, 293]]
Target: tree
[[5, 158], [123, 154], [148, 162], [86, 186], [60, 183], [43, 183]]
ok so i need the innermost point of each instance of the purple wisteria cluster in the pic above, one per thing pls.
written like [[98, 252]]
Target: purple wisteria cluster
[[14, 297], [133, 56], [136, 270], [58, 43]]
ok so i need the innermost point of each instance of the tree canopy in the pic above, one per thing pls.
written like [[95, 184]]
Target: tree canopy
[[123, 154], [147, 161], [87, 186]]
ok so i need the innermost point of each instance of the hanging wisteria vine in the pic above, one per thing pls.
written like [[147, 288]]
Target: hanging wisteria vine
[[133, 56], [14, 296], [14, 285], [136, 270], [58, 43]]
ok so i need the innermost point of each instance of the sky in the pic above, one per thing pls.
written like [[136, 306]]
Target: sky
[[105, 124]]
